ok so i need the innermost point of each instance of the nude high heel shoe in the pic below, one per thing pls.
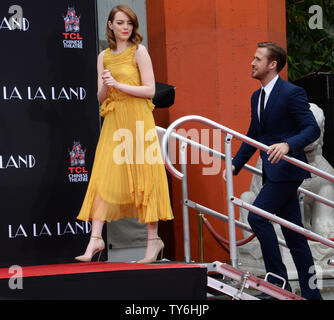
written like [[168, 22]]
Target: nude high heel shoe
[[159, 249], [98, 249]]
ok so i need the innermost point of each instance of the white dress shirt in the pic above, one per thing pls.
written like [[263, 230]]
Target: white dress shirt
[[267, 89]]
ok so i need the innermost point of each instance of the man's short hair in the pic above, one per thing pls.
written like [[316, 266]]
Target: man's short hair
[[276, 53]]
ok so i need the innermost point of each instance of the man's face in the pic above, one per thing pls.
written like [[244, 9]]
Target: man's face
[[260, 64]]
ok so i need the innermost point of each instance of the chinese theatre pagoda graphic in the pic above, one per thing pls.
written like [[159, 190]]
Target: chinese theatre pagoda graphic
[[77, 170], [72, 21]]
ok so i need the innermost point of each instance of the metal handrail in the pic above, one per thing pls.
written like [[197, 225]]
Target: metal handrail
[[247, 167], [236, 135], [228, 159]]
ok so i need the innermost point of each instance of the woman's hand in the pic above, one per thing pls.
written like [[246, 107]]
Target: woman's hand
[[108, 79]]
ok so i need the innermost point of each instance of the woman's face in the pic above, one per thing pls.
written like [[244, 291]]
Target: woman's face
[[122, 26]]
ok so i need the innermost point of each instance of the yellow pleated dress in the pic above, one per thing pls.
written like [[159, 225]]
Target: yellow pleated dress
[[128, 176]]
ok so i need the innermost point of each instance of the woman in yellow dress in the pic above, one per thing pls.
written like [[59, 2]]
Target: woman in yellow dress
[[128, 177]]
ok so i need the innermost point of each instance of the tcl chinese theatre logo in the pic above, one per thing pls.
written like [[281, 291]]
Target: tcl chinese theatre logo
[[77, 170], [72, 38]]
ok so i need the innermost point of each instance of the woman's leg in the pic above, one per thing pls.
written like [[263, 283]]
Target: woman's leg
[[152, 230], [154, 243], [96, 235]]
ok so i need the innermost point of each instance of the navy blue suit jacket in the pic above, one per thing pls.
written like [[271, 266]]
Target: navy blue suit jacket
[[287, 117]]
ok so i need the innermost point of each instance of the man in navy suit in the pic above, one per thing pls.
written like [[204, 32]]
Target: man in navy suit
[[281, 119]]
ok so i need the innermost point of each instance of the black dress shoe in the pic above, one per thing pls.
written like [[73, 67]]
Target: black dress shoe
[[264, 296]]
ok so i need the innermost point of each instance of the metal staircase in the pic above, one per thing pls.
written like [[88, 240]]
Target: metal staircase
[[241, 280]]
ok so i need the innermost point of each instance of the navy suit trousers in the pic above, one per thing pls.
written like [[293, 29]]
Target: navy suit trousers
[[281, 198]]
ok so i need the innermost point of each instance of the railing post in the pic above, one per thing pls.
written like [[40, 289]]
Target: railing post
[[230, 205], [185, 213], [301, 204], [200, 237]]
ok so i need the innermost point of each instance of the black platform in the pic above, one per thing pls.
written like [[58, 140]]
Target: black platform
[[107, 281]]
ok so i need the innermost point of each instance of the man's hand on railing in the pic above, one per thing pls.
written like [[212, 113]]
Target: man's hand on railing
[[277, 151], [224, 173]]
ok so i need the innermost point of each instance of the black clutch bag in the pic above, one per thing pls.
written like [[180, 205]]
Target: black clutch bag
[[164, 95]]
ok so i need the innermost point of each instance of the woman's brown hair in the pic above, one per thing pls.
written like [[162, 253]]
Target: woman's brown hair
[[136, 38]]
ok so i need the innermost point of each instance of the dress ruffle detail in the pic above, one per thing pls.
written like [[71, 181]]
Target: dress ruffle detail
[[107, 106]]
